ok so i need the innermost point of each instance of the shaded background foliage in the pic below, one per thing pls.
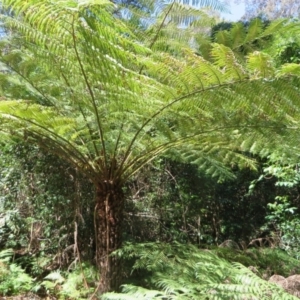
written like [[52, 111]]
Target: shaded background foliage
[[45, 205], [166, 201], [48, 227]]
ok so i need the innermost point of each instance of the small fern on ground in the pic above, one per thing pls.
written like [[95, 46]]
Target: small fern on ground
[[175, 271], [13, 278], [78, 283]]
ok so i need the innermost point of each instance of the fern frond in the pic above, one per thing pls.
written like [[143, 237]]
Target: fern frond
[[225, 59], [6, 254], [98, 91], [289, 69], [261, 65], [246, 39], [185, 272]]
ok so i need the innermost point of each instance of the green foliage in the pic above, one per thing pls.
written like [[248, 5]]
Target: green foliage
[[286, 175], [265, 260], [109, 102], [41, 210], [77, 283], [246, 37], [287, 223], [175, 271], [169, 26], [171, 201], [166, 202], [178, 90], [282, 216], [13, 278], [285, 48]]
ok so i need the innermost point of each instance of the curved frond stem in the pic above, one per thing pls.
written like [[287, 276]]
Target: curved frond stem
[[161, 25], [143, 159], [176, 100], [217, 77], [28, 81], [118, 140], [101, 134], [159, 29], [84, 116], [64, 152], [59, 137]]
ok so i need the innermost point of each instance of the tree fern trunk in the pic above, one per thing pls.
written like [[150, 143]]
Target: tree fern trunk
[[108, 221]]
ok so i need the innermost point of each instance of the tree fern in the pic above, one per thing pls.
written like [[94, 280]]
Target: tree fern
[[96, 94]]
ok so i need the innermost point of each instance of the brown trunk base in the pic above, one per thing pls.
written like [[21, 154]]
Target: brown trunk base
[[108, 221]]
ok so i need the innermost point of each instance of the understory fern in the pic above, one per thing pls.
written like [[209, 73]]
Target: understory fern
[[175, 271], [77, 283], [13, 278]]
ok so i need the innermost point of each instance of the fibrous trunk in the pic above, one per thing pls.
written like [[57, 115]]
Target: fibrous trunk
[[108, 221]]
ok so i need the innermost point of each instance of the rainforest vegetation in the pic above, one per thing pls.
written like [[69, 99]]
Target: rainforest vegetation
[[149, 150]]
